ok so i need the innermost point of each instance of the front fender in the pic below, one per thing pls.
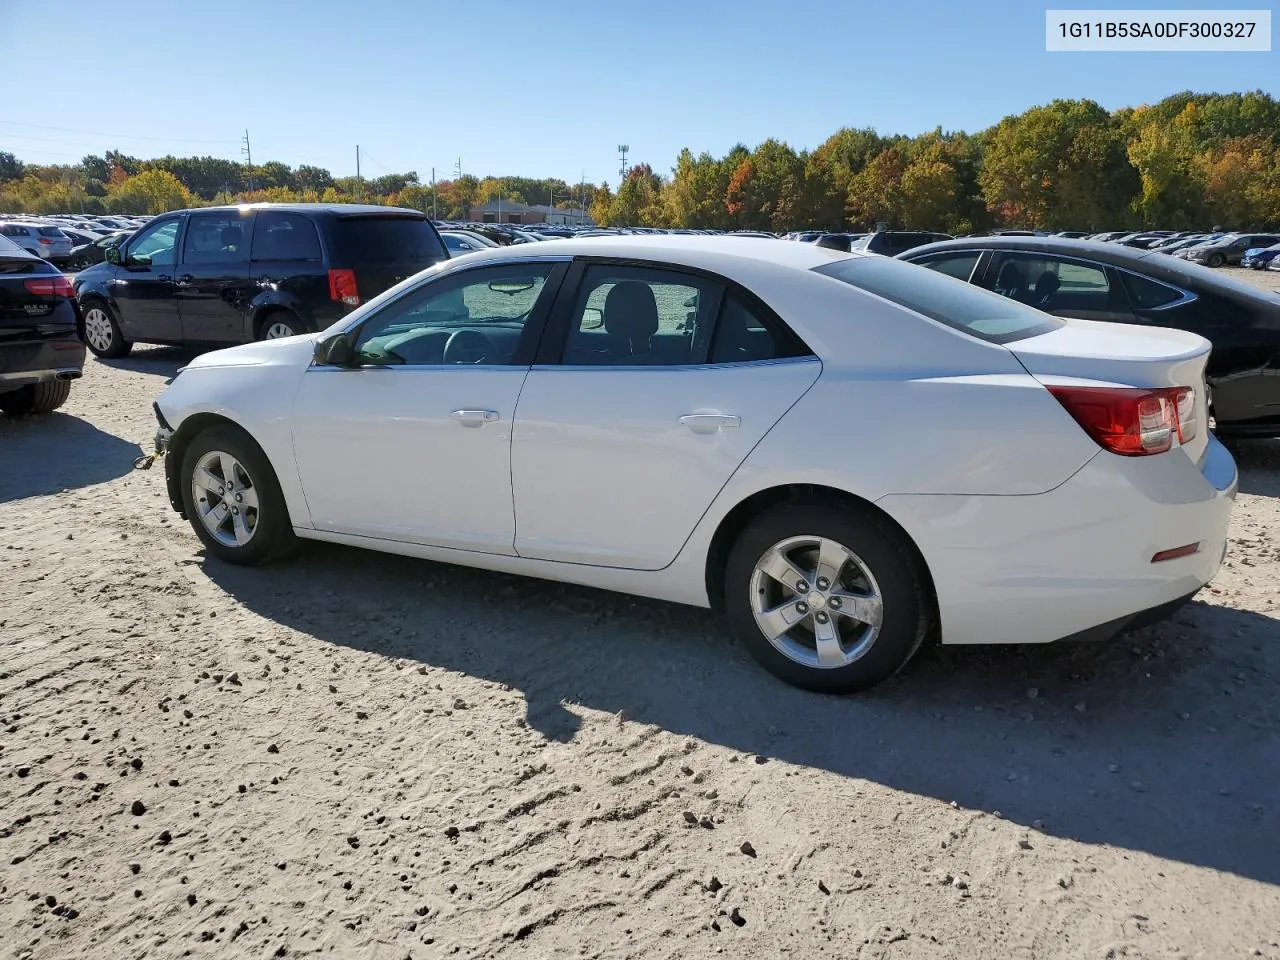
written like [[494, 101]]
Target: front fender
[[252, 391]]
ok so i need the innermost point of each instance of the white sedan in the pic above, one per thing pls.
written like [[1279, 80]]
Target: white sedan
[[847, 453]]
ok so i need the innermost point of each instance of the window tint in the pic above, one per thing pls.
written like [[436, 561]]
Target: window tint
[[13, 230], [641, 316], [387, 239], [1147, 294], [741, 336], [285, 236], [216, 238], [472, 317], [1046, 282], [157, 242], [960, 305], [958, 265]]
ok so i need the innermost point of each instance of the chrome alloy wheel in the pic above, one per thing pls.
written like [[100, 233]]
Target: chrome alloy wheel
[[816, 602], [97, 328], [277, 330], [225, 498]]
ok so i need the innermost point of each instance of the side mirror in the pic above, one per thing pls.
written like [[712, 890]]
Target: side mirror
[[335, 350], [112, 255], [592, 319]]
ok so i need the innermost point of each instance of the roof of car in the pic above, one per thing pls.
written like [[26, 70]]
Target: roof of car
[[336, 208], [682, 248]]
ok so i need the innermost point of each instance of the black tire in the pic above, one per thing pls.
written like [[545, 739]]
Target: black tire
[[1216, 260], [907, 601], [116, 346], [280, 318], [43, 397], [272, 537]]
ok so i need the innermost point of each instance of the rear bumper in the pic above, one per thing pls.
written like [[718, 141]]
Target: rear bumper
[[1078, 559], [35, 362]]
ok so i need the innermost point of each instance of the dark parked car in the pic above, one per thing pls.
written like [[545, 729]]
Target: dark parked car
[[40, 347], [1112, 282], [87, 254], [223, 275], [1257, 258], [892, 242], [1230, 249]]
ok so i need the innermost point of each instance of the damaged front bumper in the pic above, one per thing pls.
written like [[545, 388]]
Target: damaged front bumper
[[164, 451]]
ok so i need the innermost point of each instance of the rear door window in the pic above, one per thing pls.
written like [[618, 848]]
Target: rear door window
[[1147, 294], [285, 236], [216, 238], [387, 239]]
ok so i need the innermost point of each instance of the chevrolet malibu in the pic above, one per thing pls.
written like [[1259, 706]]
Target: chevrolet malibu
[[845, 453]]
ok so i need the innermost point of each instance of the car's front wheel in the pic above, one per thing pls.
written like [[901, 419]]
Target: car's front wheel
[[232, 498], [826, 596], [102, 333], [1216, 260]]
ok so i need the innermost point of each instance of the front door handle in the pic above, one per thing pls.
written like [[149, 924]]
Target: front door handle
[[709, 422], [185, 280], [474, 418]]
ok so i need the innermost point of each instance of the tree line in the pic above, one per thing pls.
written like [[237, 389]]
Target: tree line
[[1190, 160]]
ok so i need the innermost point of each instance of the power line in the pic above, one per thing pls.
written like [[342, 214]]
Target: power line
[[116, 135]]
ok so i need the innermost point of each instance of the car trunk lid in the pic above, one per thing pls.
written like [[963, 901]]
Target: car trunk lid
[[1089, 351]]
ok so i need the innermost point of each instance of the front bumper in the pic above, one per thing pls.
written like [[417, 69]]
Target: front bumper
[[1078, 559], [164, 452]]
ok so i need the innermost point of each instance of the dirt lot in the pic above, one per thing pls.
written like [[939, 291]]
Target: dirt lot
[[363, 756]]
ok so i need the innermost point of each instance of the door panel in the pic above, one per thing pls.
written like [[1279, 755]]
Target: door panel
[[605, 472], [213, 286], [144, 292], [380, 453]]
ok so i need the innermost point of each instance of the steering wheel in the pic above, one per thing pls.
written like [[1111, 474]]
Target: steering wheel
[[467, 346]]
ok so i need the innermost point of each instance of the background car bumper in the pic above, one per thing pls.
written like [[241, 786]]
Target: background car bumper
[[1033, 569], [35, 362]]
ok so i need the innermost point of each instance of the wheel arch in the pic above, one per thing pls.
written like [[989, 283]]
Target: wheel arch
[[736, 520], [188, 430], [262, 311]]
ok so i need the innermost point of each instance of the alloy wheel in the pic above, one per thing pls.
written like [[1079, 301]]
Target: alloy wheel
[[226, 498], [816, 602], [277, 330]]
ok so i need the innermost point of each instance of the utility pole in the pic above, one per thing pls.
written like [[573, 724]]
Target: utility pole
[[359, 182], [248, 156], [433, 193], [582, 221]]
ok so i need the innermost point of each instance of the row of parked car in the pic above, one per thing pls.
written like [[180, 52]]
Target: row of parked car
[[68, 240]]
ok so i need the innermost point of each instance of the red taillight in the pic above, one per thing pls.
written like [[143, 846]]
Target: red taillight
[[58, 286], [342, 286], [1132, 421], [43, 240]]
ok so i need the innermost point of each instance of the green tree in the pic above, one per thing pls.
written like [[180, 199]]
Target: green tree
[[152, 191]]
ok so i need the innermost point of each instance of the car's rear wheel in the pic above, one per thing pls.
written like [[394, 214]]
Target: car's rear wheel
[[102, 333], [827, 597], [279, 323], [232, 498], [43, 397], [1216, 260]]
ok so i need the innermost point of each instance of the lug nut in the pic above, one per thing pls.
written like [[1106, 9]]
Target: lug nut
[[802, 608], [801, 587], [835, 603], [822, 617], [823, 583]]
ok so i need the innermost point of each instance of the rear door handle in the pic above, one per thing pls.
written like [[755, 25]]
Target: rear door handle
[[185, 280], [474, 418], [709, 422]]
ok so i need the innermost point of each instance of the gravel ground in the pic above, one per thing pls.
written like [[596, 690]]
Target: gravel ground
[[365, 756]]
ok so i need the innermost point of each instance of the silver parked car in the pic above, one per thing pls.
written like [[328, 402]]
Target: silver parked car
[[41, 240]]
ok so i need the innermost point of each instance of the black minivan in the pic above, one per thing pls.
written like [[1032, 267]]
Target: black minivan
[[224, 275]]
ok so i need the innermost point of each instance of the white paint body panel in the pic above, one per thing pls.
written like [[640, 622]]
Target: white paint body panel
[[379, 453], [605, 473], [1030, 531]]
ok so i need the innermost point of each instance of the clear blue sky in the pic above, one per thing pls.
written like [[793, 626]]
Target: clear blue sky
[[546, 88]]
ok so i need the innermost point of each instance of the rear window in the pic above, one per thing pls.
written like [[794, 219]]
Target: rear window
[[962, 306], [1147, 294], [387, 239], [52, 232]]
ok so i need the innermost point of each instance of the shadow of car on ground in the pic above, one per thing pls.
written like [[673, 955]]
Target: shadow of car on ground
[[1165, 741], [54, 452]]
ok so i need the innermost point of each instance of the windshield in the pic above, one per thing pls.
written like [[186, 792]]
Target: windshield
[[960, 305], [388, 239]]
